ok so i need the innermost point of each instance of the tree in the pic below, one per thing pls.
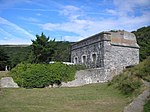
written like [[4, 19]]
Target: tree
[[43, 49], [17, 53], [62, 51], [143, 39], [4, 59]]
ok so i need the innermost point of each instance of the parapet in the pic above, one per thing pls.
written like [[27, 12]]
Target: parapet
[[118, 38], [123, 38]]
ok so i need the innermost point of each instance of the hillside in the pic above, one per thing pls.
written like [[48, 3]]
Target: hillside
[[16, 53], [21, 53], [143, 39], [130, 81]]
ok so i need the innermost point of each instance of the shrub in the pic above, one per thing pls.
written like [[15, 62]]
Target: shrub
[[143, 70], [126, 83], [129, 82], [42, 75]]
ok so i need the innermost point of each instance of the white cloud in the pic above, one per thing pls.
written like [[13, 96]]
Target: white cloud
[[123, 7], [15, 33], [83, 28], [30, 19], [84, 23], [79, 24]]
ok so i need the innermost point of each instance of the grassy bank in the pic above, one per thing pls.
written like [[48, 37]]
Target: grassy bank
[[90, 98], [130, 81], [4, 74], [147, 106]]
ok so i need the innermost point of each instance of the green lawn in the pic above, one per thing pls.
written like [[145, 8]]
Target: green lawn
[[89, 98]]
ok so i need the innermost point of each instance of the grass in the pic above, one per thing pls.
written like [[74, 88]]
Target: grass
[[89, 98], [129, 82], [3, 74], [147, 106]]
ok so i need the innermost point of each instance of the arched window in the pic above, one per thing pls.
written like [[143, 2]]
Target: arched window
[[76, 60], [84, 59], [94, 57]]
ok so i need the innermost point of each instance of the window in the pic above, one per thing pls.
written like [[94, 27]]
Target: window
[[76, 60], [84, 58], [94, 57]]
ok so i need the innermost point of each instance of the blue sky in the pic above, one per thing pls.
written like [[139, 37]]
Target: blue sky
[[69, 20]]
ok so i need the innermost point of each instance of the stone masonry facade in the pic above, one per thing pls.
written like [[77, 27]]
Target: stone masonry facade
[[107, 52]]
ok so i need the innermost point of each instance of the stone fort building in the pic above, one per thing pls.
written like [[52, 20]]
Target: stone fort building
[[105, 54]]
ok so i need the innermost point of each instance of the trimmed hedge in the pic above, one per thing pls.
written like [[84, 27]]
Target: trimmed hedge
[[42, 75]]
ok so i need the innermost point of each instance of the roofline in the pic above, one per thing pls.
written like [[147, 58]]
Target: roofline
[[101, 33]]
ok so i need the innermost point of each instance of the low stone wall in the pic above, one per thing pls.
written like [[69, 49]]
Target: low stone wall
[[88, 76], [8, 82]]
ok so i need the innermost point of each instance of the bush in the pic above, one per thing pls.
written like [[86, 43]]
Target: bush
[[129, 82], [126, 83], [143, 70], [42, 75]]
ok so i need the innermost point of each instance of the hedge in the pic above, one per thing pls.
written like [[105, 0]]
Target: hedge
[[42, 75]]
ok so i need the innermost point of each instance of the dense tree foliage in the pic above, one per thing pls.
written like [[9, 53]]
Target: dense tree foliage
[[24, 53], [17, 53], [143, 39], [4, 59], [62, 51], [42, 49]]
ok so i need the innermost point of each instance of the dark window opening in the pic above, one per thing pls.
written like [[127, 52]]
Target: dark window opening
[[94, 57], [84, 59]]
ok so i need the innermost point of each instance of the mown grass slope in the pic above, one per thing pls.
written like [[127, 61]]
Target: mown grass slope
[[89, 98]]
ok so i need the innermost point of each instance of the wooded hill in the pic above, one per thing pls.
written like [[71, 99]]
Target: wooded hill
[[143, 39], [21, 53]]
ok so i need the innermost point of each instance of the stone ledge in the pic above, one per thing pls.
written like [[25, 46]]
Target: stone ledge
[[8, 82]]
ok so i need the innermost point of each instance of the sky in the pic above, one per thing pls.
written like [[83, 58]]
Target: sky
[[68, 20]]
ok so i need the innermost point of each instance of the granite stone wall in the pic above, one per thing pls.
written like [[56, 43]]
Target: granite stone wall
[[87, 52], [87, 77], [117, 58], [105, 54]]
